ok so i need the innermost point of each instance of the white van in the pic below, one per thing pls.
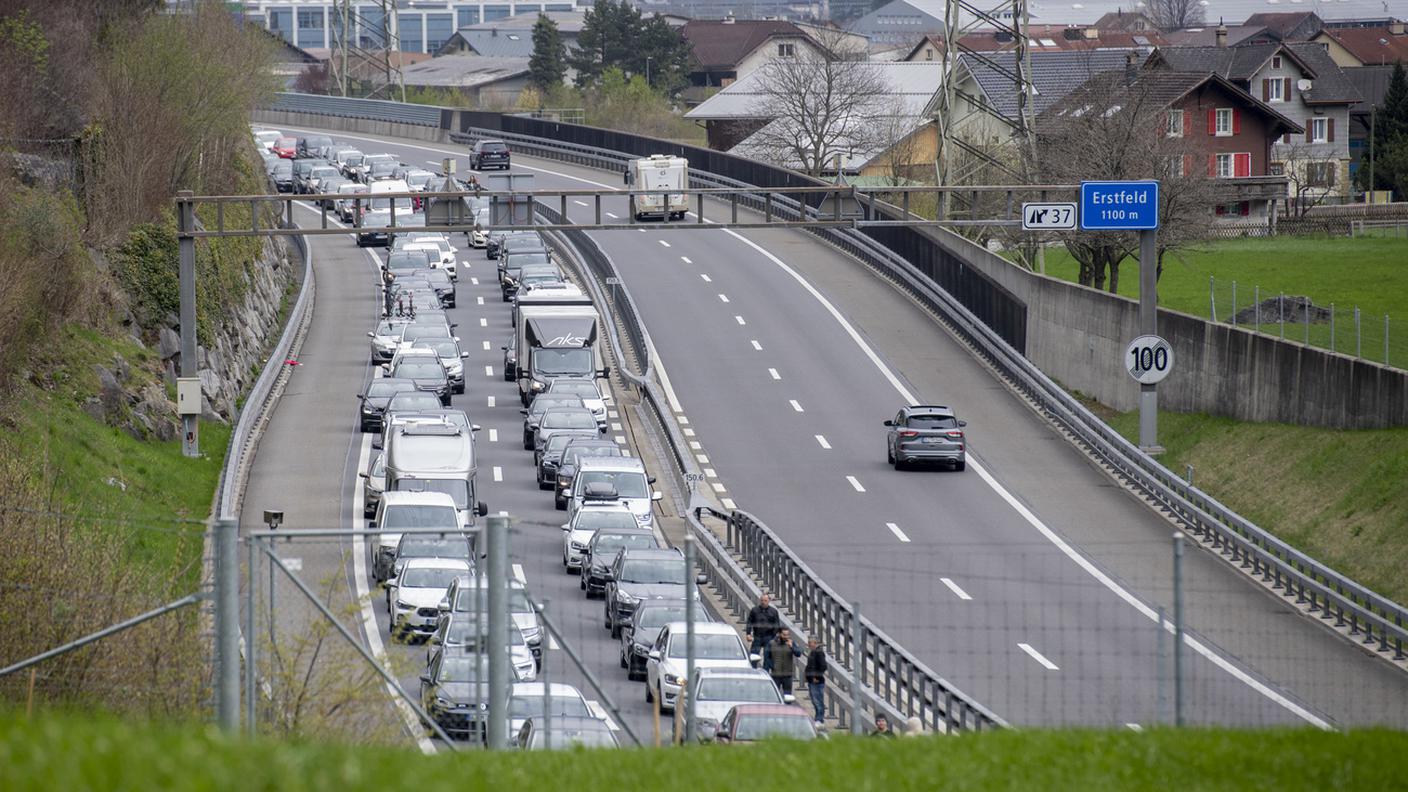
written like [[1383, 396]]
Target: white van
[[432, 456], [622, 479], [401, 510]]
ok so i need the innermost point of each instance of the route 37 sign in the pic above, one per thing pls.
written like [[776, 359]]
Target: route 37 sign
[[1048, 216]]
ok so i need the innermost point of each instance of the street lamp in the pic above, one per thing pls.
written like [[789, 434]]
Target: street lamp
[[647, 69]]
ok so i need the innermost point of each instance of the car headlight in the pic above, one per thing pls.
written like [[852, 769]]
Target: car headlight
[[626, 598], [444, 702], [579, 547], [533, 634], [641, 649], [539, 386], [402, 605], [645, 519], [671, 679]]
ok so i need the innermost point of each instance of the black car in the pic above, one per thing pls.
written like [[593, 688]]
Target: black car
[[427, 374], [282, 174], [638, 633], [495, 242], [409, 401], [602, 550], [377, 397], [308, 146], [442, 285], [489, 153], [550, 457], [454, 690], [567, 467], [538, 276]]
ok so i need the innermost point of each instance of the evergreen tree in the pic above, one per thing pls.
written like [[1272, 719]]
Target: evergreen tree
[[610, 37], [548, 64], [668, 52], [1390, 129]]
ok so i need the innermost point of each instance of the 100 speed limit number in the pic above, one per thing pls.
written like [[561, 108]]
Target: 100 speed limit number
[[1148, 359]]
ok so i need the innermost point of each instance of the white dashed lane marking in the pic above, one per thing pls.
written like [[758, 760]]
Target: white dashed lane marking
[[895, 529], [954, 587], [686, 260], [756, 345], [498, 473], [821, 440], [723, 298], [493, 435], [706, 278], [794, 404], [772, 372], [663, 242], [1038, 656], [855, 483], [739, 319]]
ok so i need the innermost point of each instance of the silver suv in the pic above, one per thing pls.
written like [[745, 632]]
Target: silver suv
[[925, 433]]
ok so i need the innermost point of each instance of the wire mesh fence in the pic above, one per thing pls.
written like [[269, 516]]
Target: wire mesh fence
[[1345, 329]]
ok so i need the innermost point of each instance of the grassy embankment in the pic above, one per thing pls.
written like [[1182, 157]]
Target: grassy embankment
[[1338, 495], [79, 753]]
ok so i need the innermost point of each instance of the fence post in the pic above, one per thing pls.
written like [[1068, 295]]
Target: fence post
[[1178, 628], [857, 659], [1256, 301], [1234, 303], [1332, 327], [1385, 339], [1160, 674], [1281, 314], [251, 700], [499, 624], [1212, 298], [1358, 338], [227, 627], [1306, 306]]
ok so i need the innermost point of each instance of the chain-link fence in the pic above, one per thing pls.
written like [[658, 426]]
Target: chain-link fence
[[1296, 317]]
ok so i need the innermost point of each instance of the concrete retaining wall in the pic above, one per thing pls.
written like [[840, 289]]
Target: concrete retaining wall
[[1077, 335]]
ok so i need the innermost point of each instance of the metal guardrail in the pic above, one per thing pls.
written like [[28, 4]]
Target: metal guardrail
[[1369, 617]]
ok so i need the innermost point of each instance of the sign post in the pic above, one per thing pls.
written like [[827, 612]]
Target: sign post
[[1134, 206]]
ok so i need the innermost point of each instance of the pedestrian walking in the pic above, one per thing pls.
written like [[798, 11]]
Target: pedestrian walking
[[815, 676], [781, 660], [763, 623]]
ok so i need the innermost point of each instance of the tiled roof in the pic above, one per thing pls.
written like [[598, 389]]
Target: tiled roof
[[1372, 83], [495, 43], [1155, 89], [914, 84], [1207, 36], [1241, 64], [720, 45], [1373, 46], [1296, 25], [1054, 74]]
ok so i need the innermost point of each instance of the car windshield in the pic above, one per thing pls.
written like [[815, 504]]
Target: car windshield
[[384, 166], [568, 419], [385, 390], [429, 577], [575, 739], [517, 600], [415, 259], [759, 727], [351, 157], [455, 488], [536, 278], [571, 455], [531, 706], [653, 571], [464, 669], [593, 520], [555, 362], [751, 689], [932, 422], [584, 389], [493, 147], [425, 331], [419, 370], [322, 173], [402, 516], [283, 168], [628, 483], [443, 349], [469, 632], [384, 204], [531, 259], [606, 544], [710, 647], [351, 188], [414, 401], [430, 546], [544, 403], [661, 615], [388, 328], [419, 178]]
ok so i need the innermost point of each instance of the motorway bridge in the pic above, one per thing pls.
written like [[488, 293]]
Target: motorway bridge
[[1016, 579]]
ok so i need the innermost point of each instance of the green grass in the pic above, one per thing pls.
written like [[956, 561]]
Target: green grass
[[84, 752], [88, 462], [1339, 496], [1371, 273]]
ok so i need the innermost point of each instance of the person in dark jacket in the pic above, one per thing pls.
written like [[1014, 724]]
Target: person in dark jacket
[[780, 660], [815, 676], [882, 727], [763, 623]]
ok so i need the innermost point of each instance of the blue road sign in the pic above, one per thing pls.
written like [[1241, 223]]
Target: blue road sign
[[1119, 205]]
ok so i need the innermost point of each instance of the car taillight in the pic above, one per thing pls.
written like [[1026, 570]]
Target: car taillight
[[955, 434], [909, 434]]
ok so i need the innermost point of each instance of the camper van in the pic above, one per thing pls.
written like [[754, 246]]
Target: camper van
[[660, 172]]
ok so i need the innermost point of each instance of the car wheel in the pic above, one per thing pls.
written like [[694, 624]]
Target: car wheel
[[582, 584], [889, 454], [624, 664], [960, 465], [615, 631], [527, 442], [560, 504], [543, 486], [649, 693]]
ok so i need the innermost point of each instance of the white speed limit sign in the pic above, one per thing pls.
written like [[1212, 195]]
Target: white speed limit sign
[[1148, 359]]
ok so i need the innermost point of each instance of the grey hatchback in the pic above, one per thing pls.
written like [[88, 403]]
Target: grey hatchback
[[926, 433]]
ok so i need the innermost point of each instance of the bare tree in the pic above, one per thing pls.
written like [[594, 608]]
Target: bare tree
[[1116, 127], [820, 102], [1170, 15], [1310, 179], [898, 137]]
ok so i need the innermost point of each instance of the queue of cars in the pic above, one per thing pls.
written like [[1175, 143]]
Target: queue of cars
[[421, 489]]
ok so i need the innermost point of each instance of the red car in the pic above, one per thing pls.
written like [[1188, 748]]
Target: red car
[[747, 723], [286, 147]]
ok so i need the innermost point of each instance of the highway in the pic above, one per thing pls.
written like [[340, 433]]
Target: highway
[[1026, 580]]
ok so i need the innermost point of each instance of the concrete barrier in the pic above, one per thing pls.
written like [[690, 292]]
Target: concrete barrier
[[363, 126]]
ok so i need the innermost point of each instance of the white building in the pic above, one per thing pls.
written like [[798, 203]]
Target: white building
[[422, 25]]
